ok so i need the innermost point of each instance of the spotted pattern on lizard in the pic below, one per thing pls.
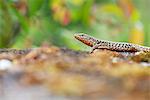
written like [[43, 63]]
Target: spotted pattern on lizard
[[114, 46]]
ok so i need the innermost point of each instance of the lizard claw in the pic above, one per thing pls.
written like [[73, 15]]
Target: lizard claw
[[92, 50]]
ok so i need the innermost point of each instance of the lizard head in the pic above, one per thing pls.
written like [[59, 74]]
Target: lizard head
[[86, 39]]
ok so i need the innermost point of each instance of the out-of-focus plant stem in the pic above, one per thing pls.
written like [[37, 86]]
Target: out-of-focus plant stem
[[5, 25]]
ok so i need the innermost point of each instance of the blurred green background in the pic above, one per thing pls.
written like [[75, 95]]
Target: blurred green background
[[33, 23]]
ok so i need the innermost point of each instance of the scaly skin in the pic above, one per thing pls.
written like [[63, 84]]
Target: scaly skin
[[109, 45]]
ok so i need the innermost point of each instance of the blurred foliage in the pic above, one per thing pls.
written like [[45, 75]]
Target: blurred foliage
[[31, 23]]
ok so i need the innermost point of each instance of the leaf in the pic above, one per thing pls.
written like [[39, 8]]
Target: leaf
[[137, 34], [113, 9], [34, 6]]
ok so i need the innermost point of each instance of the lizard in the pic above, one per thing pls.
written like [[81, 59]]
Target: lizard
[[109, 45]]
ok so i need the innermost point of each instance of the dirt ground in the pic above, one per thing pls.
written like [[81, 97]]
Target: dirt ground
[[50, 73]]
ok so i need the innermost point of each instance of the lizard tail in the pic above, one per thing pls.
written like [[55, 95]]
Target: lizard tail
[[143, 48]]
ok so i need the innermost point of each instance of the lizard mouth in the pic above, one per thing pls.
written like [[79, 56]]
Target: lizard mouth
[[83, 40]]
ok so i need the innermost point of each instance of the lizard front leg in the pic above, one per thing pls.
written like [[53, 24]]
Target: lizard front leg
[[94, 47], [98, 46]]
